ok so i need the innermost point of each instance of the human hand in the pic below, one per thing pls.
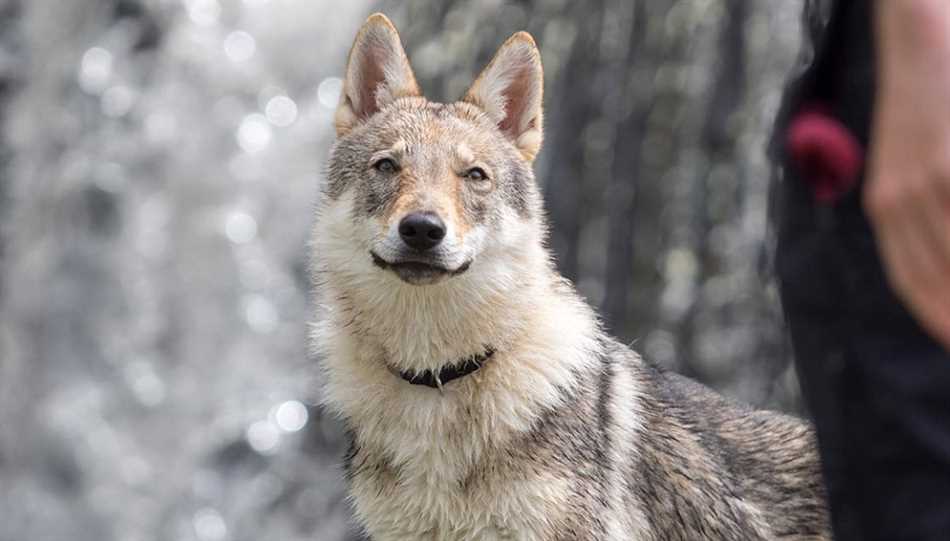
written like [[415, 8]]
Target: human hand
[[907, 196]]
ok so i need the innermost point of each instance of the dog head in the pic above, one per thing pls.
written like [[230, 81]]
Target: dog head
[[422, 191]]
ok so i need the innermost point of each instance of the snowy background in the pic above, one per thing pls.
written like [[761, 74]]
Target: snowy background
[[158, 164]]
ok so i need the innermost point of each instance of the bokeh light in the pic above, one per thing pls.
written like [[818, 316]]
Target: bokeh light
[[281, 111], [239, 46], [254, 133], [291, 416], [95, 70]]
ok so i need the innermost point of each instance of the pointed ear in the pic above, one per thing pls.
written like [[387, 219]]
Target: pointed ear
[[510, 89], [377, 73]]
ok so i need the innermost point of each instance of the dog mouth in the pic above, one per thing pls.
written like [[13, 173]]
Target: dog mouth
[[417, 271]]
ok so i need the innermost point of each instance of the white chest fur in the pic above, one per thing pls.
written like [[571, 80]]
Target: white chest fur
[[431, 465]]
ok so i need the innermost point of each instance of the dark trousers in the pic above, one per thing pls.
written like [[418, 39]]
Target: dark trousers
[[877, 386]]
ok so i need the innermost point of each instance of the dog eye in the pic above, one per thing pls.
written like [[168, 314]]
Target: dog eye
[[385, 165], [477, 174]]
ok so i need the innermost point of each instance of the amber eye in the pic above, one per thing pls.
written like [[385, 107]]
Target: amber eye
[[476, 174], [386, 166]]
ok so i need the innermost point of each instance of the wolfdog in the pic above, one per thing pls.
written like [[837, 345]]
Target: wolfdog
[[481, 396]]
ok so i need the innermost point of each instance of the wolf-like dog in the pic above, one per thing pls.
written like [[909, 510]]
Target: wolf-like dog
[[481, 396]]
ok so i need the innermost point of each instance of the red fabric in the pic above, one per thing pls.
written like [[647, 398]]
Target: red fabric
[[826, 154]]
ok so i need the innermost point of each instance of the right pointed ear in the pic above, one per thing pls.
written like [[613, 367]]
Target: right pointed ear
[[509, 90], [377, 73]]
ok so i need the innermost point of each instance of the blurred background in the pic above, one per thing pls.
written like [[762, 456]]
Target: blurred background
[[158, 164]]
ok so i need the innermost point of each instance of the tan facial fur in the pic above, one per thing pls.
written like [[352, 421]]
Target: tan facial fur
[[430, 180], [468, 163]]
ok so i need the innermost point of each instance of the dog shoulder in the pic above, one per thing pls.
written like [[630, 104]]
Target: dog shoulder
[[735, 461]]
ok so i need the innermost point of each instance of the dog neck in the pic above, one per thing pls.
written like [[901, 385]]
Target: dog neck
[[542, 335]]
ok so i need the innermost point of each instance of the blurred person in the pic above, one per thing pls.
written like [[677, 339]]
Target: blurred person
[[864, 260]]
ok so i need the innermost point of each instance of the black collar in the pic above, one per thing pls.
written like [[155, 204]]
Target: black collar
[[449, 372]]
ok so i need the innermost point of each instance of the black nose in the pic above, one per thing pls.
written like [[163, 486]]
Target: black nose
[[422, 230]]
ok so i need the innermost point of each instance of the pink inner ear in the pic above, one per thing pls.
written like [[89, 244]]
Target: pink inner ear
[[517, 97], [370, 77]]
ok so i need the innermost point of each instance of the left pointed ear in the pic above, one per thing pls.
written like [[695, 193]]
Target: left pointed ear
[[510, 89], [377, 74]]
